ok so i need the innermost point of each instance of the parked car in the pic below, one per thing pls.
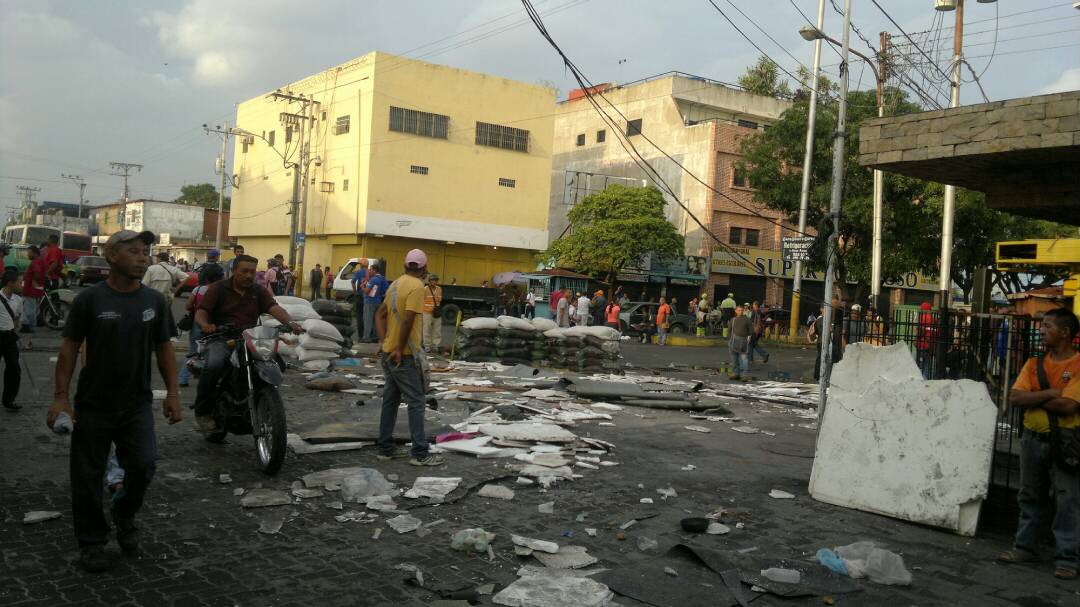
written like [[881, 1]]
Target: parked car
[[636, 312], [342, 286], [92, 268]]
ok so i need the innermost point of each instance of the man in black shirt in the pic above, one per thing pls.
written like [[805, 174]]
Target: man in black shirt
[[122, 323]]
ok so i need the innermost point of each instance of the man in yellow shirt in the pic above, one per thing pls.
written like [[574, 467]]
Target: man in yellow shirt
[[1048, 386], [402, 358]]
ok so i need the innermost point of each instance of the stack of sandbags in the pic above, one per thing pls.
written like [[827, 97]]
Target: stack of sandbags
[[341, 315], [518, 341], [318, 345], [585, 349], [475, 340], [539, 352]]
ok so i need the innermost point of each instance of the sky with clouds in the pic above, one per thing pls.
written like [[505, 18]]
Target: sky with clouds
[[86, 83]]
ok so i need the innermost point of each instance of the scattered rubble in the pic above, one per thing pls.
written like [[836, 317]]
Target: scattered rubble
[[260, 498], [40, 516], [496, 492]]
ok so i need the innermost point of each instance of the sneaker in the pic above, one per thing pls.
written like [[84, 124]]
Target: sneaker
[[206, 423], [93, 558], [397, 453], [765, 358], [430, 460], [127, 535]]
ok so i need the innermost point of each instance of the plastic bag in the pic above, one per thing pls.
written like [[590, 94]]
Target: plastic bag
[[831, 560], [322, 330], [865, 559], [476, 540]]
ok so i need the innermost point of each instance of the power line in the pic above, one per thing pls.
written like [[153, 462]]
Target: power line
[[1007, 15], [778, 45], [917, 47]]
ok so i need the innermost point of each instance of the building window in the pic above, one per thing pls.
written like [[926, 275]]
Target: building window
[[344, 185], [505, 137], [419, 170], [419, 123], [244, 145], [752, 237], [747, 124], [507, 183], [324, 115], [270, 139], [633, 127], [735, 235], [326, 187], [581, 139], [739, 179], [601, 135], [288, 134], [341, 125]]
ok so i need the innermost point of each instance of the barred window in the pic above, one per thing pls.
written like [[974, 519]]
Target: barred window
[[419, 170], [419, 123], [505, 137], [507, 183], [341, 126]]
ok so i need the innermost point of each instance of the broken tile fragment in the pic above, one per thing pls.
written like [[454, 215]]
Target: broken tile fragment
[[496, 492]]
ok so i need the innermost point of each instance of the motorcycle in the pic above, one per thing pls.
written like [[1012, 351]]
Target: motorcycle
[[248, 401]]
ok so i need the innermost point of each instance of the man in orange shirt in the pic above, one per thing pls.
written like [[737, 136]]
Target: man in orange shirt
[[663, 320], [1048, 390]]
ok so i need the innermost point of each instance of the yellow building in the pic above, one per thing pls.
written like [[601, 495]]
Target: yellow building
[[406, 154]]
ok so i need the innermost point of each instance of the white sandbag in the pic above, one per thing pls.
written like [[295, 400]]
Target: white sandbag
[[310, 342], [513, 322], [481, 323], [317, 365], [322, 330], [269, 321], [556, 333], [289, 300], [304, 355], [289, 338], [300, 313], [597, 331], [286, 349], [544, 324]]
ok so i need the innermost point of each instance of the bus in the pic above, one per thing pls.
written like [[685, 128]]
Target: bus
[[73, 244]]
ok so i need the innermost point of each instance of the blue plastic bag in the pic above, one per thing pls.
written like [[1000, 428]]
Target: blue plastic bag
[[831, 560]]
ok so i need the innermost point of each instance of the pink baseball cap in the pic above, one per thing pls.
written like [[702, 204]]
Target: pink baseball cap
[[415, 259]]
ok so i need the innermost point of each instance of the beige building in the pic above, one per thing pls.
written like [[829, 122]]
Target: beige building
[[408, 154], [699, 123]]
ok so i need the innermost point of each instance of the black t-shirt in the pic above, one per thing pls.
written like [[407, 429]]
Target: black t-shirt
[[120, 331]]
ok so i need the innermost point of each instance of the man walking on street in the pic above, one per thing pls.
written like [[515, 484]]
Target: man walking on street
[[33, 289], [122, 323], [739, 344], [54, 262], [432, 314], [375, 291], [10, 305], [562, 311], [403, 362], [238, 250], [757, 318], [727, 309], [212, 265], [163, 277], [1048, 390], [359, 284], [316, 279], [663, 321]]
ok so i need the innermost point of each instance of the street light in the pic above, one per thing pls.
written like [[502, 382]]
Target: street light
[[810, 34]]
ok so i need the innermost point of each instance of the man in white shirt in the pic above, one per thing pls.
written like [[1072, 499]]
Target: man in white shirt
[[163, 277], [583, 310], [10, 306]]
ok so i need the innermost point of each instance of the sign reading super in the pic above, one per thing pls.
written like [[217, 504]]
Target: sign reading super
[[769, 263]]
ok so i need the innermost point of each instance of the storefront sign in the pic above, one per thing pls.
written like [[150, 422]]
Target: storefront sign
[[769, 263]]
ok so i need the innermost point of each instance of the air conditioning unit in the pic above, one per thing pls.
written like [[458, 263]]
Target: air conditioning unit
[[326, 186]]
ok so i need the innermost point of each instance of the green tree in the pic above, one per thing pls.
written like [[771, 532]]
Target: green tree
[[203, 195], [763, 78], [615, 229]]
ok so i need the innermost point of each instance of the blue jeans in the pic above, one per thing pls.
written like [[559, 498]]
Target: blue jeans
[[194, 334], [369, 321], [403, 382], [132, 431], [1037, 473], [359, 300], [215, 361], [661, 333], [29, 314], [754, 347], [740, 362]]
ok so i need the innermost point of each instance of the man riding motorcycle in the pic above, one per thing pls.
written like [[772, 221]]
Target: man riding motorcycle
[[235, 301]]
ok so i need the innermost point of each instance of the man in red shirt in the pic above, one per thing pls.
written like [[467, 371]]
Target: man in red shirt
[[32, 288], [54, 262]]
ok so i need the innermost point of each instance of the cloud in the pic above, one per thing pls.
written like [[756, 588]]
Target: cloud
[[1069, 80]]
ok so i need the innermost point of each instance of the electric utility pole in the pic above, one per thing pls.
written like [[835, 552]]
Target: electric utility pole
[[123, 169], [839, 150], [808, 162], [876, 262], [221, 165], [29, 205], [299, 123], [82, 189]]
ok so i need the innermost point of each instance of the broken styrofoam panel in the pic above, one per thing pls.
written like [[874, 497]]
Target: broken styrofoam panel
[[781, 495], [259, 498], [862, 362], [533, 544], [404, 523], [433, 487], [468, 446], [332, 476], [525, 431], [542, 448], [299, 491], [701, 429], [568, 557], [300, 446], [40, 516], [912, 449], [542, 472], [550, 460], [496, 492]]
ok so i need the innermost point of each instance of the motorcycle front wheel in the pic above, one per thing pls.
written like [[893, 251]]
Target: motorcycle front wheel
[[270, 432]]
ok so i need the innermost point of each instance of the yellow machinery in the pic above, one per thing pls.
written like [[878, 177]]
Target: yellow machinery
[[1020, 255]]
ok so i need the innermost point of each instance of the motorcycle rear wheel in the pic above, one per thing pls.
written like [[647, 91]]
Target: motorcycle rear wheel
[[56, 315], [270, 439]]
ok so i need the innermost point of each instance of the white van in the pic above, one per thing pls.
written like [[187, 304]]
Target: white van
[[342, 288]]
